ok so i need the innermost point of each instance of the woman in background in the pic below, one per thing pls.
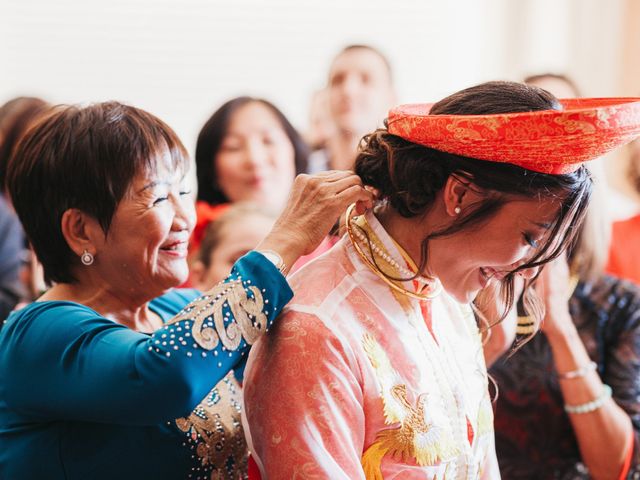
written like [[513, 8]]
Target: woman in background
[[246, 152], [237, 231], [624, 253], [20, 276], [588, 353]]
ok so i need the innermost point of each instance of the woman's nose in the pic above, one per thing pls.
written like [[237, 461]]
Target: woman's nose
[[184, 218], [255, 154]]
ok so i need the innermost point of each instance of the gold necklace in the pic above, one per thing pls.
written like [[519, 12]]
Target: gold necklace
[[437, 288]]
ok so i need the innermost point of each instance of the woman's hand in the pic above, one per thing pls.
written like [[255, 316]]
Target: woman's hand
[[314, 205], [553, 287]]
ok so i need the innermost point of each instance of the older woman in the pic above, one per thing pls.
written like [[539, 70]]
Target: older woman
[[111, 373], [376, 369]]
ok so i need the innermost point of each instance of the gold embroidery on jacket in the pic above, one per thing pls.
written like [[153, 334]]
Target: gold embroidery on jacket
[[245, 320], [214, 431], [416, 438]]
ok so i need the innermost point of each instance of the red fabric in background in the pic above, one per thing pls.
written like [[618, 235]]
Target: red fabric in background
[[624, 252], [205, 214]]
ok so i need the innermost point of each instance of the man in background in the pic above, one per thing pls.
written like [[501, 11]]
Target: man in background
[[360, 92]]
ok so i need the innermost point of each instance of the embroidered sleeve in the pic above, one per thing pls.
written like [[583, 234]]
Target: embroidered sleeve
[[231, 316], [88, 368], [303, 403]]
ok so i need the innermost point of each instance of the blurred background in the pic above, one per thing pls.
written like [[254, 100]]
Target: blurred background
[[181, 60]]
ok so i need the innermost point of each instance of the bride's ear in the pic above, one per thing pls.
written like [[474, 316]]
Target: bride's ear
[[459, 193]]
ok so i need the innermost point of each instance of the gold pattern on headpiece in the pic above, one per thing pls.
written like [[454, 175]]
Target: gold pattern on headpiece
[[247, 319]]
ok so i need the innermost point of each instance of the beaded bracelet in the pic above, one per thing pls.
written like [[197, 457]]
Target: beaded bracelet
[[580, 372], [593, 405]]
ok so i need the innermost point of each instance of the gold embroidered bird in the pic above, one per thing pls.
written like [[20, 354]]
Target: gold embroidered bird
[[416, 437]]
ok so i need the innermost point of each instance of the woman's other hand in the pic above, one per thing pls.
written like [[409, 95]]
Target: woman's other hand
[[314, 205], [554, 287]]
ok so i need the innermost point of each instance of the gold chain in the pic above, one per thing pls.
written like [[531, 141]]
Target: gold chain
[[437, 288]]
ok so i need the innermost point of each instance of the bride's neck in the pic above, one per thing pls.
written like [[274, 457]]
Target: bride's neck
[[406, 232]]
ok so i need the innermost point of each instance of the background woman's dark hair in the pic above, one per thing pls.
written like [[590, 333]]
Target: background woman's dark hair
[[16, 116], [408, 176], [212, 135], [84, 158]]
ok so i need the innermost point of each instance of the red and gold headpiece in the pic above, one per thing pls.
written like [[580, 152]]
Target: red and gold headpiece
[[546, 141]]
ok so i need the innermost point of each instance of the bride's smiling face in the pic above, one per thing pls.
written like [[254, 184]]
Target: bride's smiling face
[[468, 259]]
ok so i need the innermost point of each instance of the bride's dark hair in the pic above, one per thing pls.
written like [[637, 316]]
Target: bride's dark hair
[[408, 176]]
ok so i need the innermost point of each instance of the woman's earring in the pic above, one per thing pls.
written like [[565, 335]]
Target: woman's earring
[[457, 210], [86, 258]]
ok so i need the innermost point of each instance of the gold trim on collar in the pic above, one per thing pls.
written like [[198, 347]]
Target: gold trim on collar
[[436, 289]]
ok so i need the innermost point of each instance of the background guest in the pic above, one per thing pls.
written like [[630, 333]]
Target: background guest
[[16, 116], [557, 83], [17, 267], [237, 231], [360, 90], [246, 151], [321, 126], [624, 254]]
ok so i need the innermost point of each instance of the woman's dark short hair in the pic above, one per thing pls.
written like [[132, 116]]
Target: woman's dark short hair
[[83, 157], [408, 176], [212, 135]]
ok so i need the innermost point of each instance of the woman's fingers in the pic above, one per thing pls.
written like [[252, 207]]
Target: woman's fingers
[[358, 195], [315, 203]]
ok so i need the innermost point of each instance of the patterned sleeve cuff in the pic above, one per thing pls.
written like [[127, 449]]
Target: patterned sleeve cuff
[[232, 315]]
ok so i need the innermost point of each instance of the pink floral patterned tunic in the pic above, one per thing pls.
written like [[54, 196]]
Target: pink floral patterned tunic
[[359, 381]]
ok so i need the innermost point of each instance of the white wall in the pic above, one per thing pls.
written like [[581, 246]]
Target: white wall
[[181, 59]]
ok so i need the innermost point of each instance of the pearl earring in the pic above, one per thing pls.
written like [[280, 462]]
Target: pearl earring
[[457, 210], [86, 258]]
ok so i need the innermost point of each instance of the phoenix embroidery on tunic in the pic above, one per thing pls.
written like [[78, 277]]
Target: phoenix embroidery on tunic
[[416, 437]]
